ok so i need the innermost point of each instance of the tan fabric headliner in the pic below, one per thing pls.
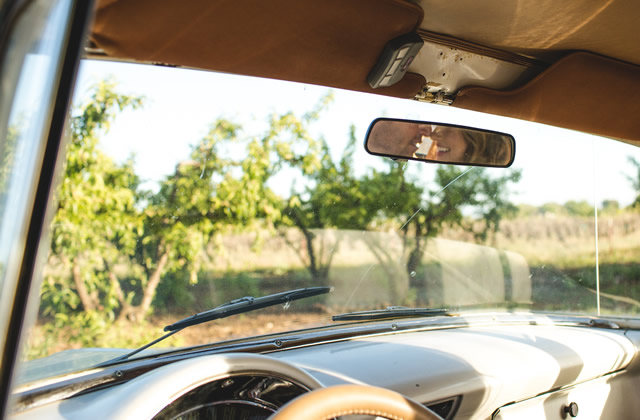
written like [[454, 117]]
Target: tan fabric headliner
[[541, 28], [337, 42], [578, 91], [328, 42]]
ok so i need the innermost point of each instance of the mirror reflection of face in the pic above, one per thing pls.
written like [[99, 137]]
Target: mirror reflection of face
[[439, 143], [405, 139], [450, 144], [397, 137]]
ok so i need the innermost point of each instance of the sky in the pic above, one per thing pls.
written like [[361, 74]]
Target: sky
[[180, 105]]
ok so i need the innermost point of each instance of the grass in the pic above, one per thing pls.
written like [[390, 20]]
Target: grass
[[127, 334]]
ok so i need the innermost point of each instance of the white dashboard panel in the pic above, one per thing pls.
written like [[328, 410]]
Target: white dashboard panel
[[610, 397], [488, 366]]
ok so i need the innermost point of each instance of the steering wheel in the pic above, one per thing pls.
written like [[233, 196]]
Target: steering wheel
[[342, 400]]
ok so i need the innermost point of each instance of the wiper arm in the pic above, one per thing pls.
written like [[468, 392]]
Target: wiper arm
[[390, 312], [247, 304], [234, 307]]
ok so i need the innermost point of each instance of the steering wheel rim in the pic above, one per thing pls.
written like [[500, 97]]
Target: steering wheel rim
[[342, 400]]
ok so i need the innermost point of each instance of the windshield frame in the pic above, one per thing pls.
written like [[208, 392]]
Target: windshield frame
[[362, 276]]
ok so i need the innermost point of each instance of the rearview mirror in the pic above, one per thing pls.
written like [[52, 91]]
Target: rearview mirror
[[437, 142]]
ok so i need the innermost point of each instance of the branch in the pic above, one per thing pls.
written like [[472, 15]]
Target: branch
[[115, 283], [87, 302], [313, 267], [297, 249], [154, 280]]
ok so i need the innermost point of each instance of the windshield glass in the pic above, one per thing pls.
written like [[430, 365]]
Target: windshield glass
[[184, 190]]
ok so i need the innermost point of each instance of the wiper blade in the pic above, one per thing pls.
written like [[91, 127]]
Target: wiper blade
[[234, 307], [390, 312], [247, 304]]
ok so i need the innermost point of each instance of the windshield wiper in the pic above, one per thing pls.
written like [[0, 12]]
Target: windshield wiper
[[234, 307], [390, 312]]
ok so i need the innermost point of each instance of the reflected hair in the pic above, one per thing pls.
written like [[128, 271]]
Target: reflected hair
[[486, 148]]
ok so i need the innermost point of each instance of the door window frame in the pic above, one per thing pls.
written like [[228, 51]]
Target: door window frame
[[26, 287]]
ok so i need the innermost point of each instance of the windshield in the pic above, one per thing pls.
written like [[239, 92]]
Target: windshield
[[184, 190]]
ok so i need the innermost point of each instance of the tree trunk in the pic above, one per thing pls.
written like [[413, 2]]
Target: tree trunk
[[152, 285], [415, 256], [308, 236], [313, 267], [397, 280], [125, 307], [87, 302]]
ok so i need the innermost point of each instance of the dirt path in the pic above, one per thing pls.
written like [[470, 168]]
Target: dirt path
[[247, 326]]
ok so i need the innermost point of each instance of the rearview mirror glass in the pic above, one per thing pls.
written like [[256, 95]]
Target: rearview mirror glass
[[437, 142]]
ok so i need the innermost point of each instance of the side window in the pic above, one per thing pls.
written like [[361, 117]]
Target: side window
[[30, 70]]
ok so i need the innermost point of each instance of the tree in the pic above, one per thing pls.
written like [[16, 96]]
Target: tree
[[336, 198], [216, 192], [8, 157], [96, 220], [552, 209], [213, 193], [394, 198], [454, 190], [578, 208], [332, 199], [526, 210], [635, 181], [610, 206], [104, 219]]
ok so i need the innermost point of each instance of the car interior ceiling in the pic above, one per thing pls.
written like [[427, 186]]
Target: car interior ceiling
[[572, 64], [581, 58]]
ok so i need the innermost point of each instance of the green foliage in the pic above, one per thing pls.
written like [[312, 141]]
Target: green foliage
[[90, 330], [86, 328], [8, 157], [177, 294], [552, 208], [455, 189], [335, 198], [116, 248], [213, 192], [96, 220], [392, 196], [105, 220], [526, 210], [233, 285], [189, 206], [578, 208], [58, 297], [610, 206], [635, 180]]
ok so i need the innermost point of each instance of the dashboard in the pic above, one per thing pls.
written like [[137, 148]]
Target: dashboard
[[238, 397], [500, 372], [252, 397]]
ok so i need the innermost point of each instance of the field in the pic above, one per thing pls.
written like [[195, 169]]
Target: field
[[537, 262]]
